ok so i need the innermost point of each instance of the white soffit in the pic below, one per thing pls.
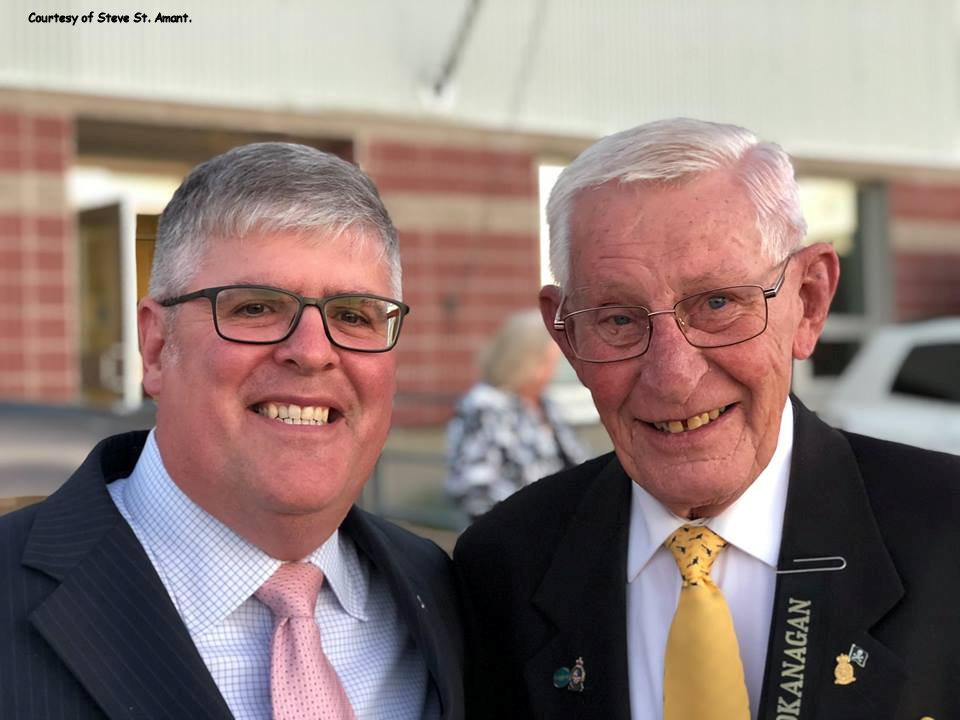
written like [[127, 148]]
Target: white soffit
[[855, 79]]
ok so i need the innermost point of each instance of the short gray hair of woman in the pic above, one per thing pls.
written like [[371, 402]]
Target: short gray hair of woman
[[266, 188], [676, 151], [515, 353]]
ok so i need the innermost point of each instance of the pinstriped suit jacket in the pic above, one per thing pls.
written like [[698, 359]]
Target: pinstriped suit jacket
[[87, 629]]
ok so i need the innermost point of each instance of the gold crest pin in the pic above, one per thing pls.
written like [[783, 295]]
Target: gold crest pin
[[843, 672]]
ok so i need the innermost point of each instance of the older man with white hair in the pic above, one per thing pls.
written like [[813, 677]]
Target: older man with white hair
[[734, 557]]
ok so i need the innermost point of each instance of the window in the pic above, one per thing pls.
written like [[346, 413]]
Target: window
[[930, 371], [548, 178]]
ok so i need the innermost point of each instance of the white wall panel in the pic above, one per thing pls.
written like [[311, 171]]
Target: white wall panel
[[856, 79]]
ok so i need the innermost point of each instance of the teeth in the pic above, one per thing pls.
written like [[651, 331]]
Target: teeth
[[691, 423], [295, 414]]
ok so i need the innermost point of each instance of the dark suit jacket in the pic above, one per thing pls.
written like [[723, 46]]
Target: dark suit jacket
[[87, 629], [543, 576]]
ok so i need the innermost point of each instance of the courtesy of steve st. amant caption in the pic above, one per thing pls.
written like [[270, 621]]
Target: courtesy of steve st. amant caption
[[108, 18]]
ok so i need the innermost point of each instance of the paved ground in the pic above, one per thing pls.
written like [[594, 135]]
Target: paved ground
[[41, 446], [408, 484]]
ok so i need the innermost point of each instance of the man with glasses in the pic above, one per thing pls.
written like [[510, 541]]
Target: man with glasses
[[217, 567], [734, 557]]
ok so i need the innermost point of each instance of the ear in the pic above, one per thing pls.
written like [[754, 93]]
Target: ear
[[152, 330], [818, 283], [551, 298]]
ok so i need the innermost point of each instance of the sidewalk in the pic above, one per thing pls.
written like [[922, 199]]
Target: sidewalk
[[408, 484]]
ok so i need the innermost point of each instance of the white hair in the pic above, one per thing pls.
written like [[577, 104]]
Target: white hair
[[675, 151], [266, 188], [516, 352]]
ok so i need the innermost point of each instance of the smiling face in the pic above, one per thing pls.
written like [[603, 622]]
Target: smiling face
[[651, 246], [283, 486]]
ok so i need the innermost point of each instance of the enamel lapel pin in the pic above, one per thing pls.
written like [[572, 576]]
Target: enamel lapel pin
[[571, 679]]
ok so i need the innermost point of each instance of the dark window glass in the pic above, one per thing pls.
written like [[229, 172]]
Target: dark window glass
[[931, 371]]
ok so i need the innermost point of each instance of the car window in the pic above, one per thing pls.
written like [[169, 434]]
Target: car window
[[931, 371]]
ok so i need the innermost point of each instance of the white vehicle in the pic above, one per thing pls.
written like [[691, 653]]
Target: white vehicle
[[572, 400], [903, 385]]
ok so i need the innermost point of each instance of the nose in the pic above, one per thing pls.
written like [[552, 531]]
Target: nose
[[672, 367], [308, 348]]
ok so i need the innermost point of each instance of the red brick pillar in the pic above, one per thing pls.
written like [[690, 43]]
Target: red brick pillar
[[469, 237], [38, 314], [925, 234]]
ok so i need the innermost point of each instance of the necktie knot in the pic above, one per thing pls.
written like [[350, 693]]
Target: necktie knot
[[292, 590], [694, 548]]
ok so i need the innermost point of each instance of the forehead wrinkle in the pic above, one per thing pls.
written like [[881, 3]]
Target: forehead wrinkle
[[300, 289], [723, 273]]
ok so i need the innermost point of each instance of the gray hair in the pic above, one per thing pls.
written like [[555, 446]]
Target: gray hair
[[515, 352], [265, 188], [675, 151]]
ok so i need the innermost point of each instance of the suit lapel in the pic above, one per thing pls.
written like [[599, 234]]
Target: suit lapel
[[110, 619], [819, 615], [583, 594], [418, 605]]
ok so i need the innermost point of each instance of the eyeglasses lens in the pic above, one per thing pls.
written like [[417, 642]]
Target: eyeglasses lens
[[715, 318], [355, 322]]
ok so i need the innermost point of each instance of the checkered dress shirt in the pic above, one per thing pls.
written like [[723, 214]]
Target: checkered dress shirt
[[211, 574]]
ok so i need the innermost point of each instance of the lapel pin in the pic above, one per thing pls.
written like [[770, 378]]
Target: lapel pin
[[577, 676], [573, 680], [843, 672], [858, 655]]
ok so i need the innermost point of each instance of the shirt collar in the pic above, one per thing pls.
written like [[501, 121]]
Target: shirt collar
[[754, 523], [208, 569]]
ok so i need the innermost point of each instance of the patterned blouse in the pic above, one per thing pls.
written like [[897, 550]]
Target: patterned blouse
[[496, 444]]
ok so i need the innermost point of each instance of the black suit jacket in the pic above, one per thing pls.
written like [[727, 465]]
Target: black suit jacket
[[543, 576], [87, 629]]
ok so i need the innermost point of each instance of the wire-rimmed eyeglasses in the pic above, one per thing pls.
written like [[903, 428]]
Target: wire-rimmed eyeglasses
[[714, 318], [263, 315]]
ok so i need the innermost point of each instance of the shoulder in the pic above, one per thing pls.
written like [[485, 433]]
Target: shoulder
[[74, 518], [485, 398], [14, 529], [390, 541], [910, 489], [535, 516], [890, 467]]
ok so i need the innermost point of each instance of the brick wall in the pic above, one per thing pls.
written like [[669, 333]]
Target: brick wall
[[38, 348], [469, 234], [925, 235]]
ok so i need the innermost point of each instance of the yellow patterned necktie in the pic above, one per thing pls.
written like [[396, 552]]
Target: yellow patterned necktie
[[703, 675]]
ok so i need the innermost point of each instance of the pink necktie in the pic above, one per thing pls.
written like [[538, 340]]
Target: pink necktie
[[303, 683]]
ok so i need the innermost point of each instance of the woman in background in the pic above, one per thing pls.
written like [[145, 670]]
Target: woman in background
[[505, 433]]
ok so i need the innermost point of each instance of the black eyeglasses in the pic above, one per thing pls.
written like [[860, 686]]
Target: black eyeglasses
[[715, 318], [263, 315]]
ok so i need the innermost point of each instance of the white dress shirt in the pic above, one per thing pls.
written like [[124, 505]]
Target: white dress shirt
[[745, 572], [211, 574]]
